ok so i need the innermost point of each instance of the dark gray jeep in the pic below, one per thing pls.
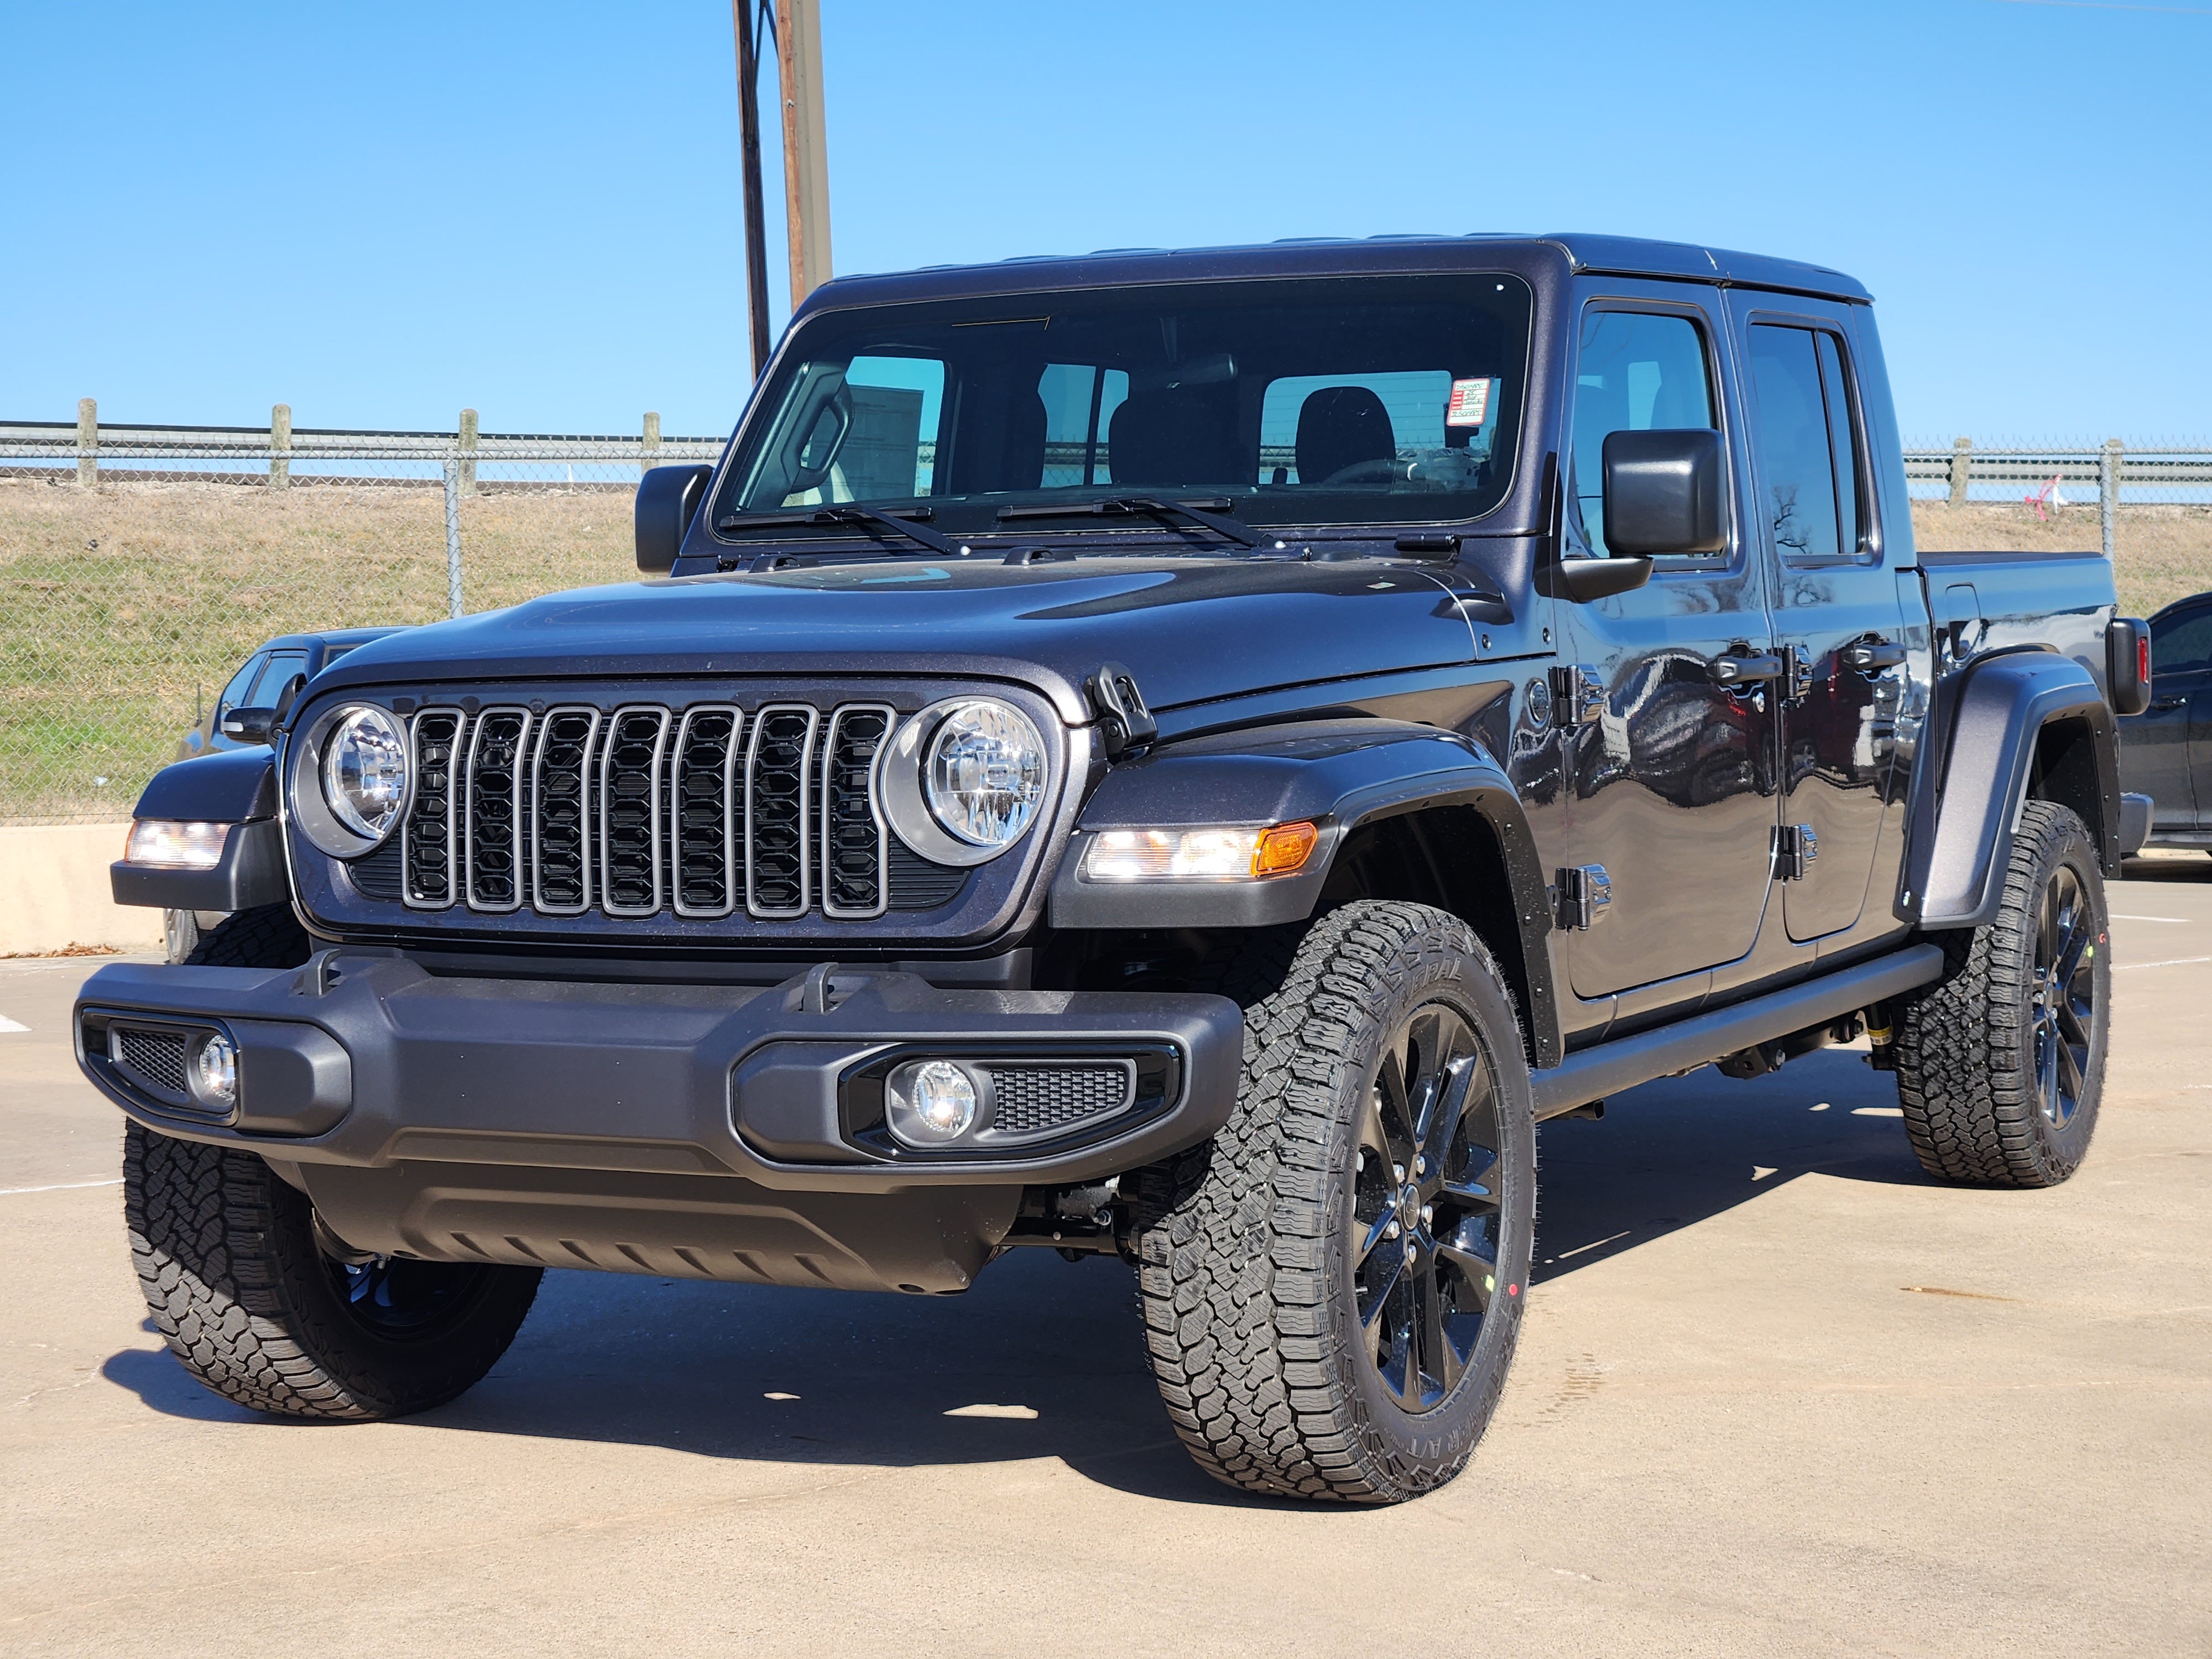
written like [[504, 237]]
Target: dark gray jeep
[[1184, 757]]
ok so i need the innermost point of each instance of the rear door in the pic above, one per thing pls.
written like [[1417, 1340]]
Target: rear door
[[1837, 620], [2165, 751], [1671, 755]]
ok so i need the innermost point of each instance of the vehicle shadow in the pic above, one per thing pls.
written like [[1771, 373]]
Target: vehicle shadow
[[2195, 868], [1044, 1358]]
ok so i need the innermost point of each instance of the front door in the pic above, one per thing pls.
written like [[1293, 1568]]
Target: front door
[[1839, 621], [1671, 743]]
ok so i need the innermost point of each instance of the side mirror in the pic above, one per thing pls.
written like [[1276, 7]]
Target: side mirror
[[668, 498], [249, 724], [1663, 492]]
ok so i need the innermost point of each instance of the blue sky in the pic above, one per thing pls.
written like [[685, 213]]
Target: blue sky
[[381, 214]]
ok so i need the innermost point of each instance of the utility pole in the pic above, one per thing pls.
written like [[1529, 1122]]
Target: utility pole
[[744, 17], [806, 146]]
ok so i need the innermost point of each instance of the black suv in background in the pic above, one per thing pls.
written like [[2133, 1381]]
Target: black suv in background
[[1185, 758], [270, 678]]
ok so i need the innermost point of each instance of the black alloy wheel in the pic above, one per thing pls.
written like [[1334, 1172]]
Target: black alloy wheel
[[2064, 996], [398, 1299], [1426, 1208]]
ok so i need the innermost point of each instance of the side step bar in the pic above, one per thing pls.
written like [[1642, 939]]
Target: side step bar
[[1606, 1069]]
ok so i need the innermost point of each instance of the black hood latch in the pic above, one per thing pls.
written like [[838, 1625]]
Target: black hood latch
[[1124, 721]]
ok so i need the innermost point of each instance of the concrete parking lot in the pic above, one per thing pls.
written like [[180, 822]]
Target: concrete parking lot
[[1777, 1393]]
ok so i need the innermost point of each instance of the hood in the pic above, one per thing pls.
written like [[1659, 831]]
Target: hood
[[1189, 629]]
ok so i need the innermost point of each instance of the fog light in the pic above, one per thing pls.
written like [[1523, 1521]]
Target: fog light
[[215, 1071], [929, 1102]]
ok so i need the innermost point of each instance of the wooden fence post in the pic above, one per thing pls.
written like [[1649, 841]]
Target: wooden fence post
[[2108, 492], [87, 444], [651, 457], [468, 442], [280, 446], [1962, 463]]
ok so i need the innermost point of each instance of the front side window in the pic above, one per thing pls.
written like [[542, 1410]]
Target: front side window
[[234, 694], [1320, 401], [1637, 371], [1803, 443]]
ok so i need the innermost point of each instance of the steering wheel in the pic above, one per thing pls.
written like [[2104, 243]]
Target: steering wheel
[[1376, 471]]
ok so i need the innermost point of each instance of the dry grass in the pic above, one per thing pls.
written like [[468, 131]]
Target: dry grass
[[2161, 553], [127, 607]]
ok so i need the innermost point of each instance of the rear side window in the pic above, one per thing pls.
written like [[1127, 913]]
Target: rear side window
[[1803, 443], [1637, 371], [2182, 643]]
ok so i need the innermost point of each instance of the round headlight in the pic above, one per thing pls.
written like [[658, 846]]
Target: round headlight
[[985, 772], [365, 771]]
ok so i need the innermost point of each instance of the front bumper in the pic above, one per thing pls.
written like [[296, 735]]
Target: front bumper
[[693, 1131]]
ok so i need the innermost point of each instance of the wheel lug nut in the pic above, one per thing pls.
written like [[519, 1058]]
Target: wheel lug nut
[[1397, 1172], [1428, 1214], [1420, 1163], [1390, 1231]]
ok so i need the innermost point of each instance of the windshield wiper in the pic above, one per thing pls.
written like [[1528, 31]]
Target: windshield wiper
[[844, 513], [1156, 506]]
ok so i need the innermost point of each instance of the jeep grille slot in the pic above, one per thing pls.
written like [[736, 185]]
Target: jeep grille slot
[[429, 834], [856, 862], [560, 838], [702, 811], [778, 774], [629, 812], [494, 803]]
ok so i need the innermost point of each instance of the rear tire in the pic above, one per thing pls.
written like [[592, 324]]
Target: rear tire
[[261, 1302], [1333, 1285], [2001, 1063]]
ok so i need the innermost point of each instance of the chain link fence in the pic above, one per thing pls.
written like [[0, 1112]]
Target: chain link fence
[[140, 567]]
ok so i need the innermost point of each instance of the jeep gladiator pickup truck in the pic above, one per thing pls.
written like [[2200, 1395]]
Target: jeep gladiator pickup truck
[[1181, 755]]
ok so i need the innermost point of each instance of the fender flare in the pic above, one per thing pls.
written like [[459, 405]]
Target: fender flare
[[236, 787], [1954, 865], [1343, 774]]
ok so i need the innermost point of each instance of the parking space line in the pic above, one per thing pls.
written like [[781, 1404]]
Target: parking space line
[[8, 1024], [60, 1186], [2171, 962], [2122, 916]]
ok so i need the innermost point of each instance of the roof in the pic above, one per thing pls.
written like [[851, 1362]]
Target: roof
[[1345, 256]]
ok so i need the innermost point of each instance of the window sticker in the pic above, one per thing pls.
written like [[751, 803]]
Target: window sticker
[[1470, 402]]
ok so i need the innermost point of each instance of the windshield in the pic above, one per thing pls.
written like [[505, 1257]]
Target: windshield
[[1357, 400]]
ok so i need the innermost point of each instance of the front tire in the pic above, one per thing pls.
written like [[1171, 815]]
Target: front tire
[[261, 1302], [2001, 1063], [1333, 1285]]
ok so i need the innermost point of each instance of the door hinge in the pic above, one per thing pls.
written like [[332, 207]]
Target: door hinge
[[1796, 672], [1577, 694], [1580, 895], [1795, 846]]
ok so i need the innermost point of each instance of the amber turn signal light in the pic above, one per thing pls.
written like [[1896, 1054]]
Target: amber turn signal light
[[1284, 848]]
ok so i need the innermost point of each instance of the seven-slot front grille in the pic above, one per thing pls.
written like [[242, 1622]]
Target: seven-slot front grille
[[707, 810]]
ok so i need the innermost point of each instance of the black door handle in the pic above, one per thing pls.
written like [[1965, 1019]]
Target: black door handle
[[1872, 656], [1746, 671], [2170, 702]]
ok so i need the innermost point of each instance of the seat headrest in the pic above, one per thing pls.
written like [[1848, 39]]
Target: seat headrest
[[1175, 435], [1341, 426]]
